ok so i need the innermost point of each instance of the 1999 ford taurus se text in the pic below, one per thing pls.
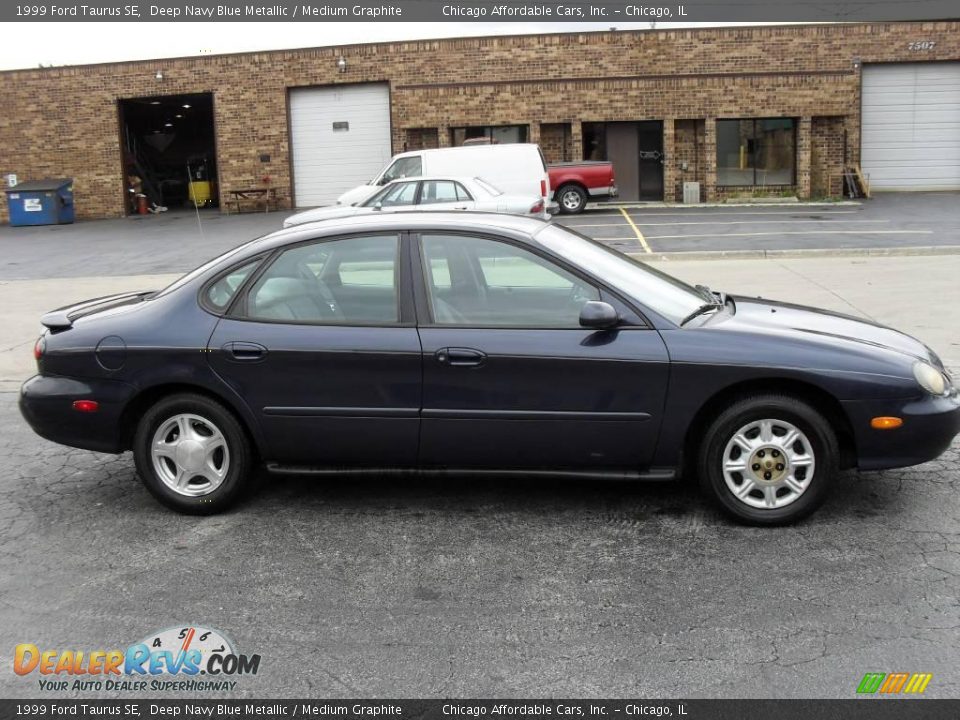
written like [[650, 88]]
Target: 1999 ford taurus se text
[[473, 343]]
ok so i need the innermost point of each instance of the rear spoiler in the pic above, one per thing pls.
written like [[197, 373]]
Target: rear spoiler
[[62, 318]]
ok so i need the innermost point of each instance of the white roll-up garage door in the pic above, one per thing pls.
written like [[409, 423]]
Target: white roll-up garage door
[[911, 126], [340, 138]]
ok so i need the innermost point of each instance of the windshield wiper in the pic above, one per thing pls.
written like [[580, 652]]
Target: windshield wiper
[[711, 295], [706, 307]]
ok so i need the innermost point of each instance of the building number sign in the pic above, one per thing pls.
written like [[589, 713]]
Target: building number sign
[[921, 45]]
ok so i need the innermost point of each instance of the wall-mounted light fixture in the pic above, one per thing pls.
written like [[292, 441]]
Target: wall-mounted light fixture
[[159, 75], [856, 63], [341, 64]]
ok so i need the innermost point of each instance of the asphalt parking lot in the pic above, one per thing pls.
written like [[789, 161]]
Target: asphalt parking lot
[[886, 221], [175, 242], [378, 587]]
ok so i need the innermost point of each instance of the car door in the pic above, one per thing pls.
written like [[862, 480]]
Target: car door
[[510, 378], [321, 344]]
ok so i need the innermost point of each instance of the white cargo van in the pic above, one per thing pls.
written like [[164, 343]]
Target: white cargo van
[[517, 169]]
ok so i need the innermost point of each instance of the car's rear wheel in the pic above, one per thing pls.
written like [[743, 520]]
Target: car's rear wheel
[[571, 199], [768, 460], [192, 455]]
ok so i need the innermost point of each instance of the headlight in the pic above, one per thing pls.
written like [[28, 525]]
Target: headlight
[[929, 378]]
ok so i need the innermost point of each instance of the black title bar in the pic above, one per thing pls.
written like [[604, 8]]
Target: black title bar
[[873, 708], [603, 11]]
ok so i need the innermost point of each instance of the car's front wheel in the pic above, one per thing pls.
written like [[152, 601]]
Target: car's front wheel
[[768, 460], [192, 455]]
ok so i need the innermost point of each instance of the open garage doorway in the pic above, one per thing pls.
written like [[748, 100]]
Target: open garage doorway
[[169, 152]]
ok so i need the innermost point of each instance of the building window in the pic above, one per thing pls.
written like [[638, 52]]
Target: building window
[[757, 152], [488, 134]]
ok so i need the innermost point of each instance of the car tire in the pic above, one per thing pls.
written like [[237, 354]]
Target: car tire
[[571, 199], [192, 454], [768, 459]]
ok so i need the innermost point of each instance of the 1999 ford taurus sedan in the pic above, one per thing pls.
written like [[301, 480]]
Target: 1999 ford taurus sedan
[[475, 343]]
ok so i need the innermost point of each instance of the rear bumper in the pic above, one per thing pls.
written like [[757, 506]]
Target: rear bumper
[[46, 403], [929, 426]]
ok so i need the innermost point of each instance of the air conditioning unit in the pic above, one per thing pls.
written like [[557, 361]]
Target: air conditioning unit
[[691, 193]]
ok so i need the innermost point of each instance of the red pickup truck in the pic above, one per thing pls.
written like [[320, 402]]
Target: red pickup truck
[[575, 184]]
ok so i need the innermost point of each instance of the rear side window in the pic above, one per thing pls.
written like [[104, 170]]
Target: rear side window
[[218, 295], [350, 281], [441, 191]]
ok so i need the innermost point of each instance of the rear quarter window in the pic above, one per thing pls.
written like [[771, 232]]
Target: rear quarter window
[[219, 295]]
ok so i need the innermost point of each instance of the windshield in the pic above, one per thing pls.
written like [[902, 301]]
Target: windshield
[[488, 186], [672, 298]]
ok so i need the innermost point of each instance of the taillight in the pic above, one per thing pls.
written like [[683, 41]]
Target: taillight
[[543, 188], [39, 347], [87, 406], [537, 208]]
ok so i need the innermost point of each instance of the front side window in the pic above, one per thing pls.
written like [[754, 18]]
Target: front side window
[[404, 167], [347, 281], [395, 195], [487, 283], [757, 152]]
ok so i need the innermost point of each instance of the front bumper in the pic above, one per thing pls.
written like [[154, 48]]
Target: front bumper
[[929, 426], [46, 403]]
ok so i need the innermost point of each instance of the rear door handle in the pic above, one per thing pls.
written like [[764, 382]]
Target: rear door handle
[[460, 357], [245, 351]]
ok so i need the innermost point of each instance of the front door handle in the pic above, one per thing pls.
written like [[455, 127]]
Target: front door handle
[[245, 351], [460, 357]]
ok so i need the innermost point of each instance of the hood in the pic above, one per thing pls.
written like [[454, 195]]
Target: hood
[[357, 194], [758, 315]]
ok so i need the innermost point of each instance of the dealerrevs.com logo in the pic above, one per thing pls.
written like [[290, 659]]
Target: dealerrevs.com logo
[[190, 658], [894, 683]]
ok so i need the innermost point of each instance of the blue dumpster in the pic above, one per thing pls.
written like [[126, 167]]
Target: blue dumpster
[[41, 202]]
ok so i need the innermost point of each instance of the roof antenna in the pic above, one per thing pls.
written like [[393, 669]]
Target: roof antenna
[[196, 207]]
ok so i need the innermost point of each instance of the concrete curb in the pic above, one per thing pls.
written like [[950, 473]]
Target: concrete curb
[[700, 206], [798, 253]]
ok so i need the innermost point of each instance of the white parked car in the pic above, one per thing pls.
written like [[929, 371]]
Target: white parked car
[[515, 168], [431, 193]]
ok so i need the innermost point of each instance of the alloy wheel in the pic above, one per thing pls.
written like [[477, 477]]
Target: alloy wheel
[[571, 200], [190, 455], [768, 464]]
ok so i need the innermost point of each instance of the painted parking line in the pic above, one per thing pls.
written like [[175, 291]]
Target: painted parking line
[[720, 236], [636, 230], [720, 211], [731, 222]]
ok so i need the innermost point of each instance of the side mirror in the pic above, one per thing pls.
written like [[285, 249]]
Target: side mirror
[[378, 206], [598, 315]]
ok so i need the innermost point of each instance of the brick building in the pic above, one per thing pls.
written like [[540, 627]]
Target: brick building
[[779, 109]]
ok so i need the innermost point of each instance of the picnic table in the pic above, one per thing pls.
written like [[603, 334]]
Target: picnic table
[[267, 195]]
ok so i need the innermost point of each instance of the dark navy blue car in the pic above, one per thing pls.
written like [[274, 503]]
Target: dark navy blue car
[[474, 343]]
